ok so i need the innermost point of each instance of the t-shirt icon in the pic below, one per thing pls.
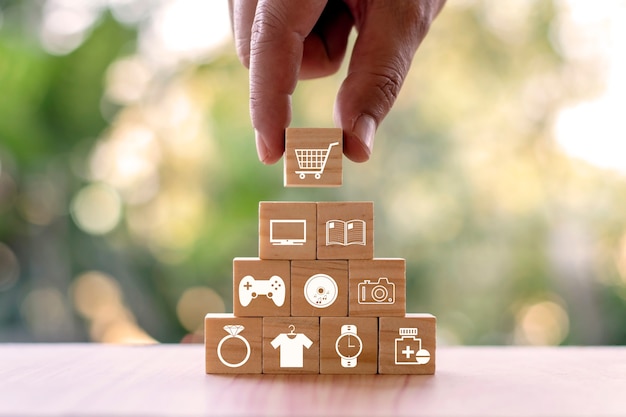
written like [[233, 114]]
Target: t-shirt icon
[[291, 348]]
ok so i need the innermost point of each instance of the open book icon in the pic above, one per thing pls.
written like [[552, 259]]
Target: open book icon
[[344, 233]]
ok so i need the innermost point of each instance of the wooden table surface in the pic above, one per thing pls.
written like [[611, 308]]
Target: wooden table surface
[[169, 380]]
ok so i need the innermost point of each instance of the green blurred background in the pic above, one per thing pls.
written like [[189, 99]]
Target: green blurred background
[[129, 178]]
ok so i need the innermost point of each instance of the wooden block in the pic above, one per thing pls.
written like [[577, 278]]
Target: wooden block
[[348, 345], [287, 230], [291, 345], [406, 345], [261, 287], [313, 157], [345, 230], [319, 288], [377, 287], [233, 345]]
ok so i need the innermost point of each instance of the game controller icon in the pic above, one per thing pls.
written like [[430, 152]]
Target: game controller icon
[[273, 288]]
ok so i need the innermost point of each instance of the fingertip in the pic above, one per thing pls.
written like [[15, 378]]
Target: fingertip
[[364, 131], [266, 154], [261, 147], [272, 159], [359, 139], [243, 53]]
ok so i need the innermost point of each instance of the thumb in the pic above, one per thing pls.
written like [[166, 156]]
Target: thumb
[[389, 34]]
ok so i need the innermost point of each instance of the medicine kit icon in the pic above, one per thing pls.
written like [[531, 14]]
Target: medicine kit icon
[[409, 350]]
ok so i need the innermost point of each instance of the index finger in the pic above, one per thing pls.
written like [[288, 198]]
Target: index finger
[[276, 45]]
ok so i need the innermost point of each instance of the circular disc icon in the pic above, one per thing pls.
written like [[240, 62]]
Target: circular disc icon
[[320, 290], [380, 293]]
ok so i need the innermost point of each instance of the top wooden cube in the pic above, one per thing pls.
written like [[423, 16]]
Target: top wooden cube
[[313, 157]]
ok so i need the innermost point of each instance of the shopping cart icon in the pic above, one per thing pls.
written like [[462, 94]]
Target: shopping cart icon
[[312, 161]]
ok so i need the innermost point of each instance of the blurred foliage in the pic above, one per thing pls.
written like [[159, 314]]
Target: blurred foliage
[[128, 184]]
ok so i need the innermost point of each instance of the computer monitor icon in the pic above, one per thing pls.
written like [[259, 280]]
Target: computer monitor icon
[[288, 232]]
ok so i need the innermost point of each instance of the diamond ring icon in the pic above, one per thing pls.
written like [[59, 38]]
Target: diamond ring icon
[[233, 331]]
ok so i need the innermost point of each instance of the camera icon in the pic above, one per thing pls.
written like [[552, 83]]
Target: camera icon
[[379, 292]]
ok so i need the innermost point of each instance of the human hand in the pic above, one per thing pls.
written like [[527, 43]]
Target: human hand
[[282, 41]]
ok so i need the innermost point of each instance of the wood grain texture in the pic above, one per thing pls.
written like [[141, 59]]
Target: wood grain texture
[[92, 380], [314, 146], [228, 353], [337, 221], [309, 282], [407, 345], [261, 271], [333, 342], [377, 287], [291, 345], [274, 222]]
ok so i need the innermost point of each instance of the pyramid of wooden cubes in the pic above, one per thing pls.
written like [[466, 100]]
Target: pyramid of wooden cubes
[[316, 300]]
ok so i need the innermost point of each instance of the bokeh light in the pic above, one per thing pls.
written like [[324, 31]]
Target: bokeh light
[[183, 30], [97, 209], [542, 323], [194, 304], [595, 34], [65, 23], [128, 161], [131, 11], [128, 80], [96, 294], [97, 297]]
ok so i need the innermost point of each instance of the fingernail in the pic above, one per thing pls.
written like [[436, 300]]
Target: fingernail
[[261, 148], [364, 130]]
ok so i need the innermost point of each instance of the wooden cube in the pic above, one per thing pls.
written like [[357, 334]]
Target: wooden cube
[[377, 287], [261, 287], [319, 288], [345, 230], [313, 157], [348, 345], [291, 345], [233, 345], [407, 345], [287, 230]]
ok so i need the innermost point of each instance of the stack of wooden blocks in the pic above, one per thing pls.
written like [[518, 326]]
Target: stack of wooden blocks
[[316, 300]]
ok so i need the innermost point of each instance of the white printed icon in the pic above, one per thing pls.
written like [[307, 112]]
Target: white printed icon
[[320, 290], [288, 232], [273, 288], [409, 349], [312, 161], [379, 292], [233, 331], [348, 346], [291, 348], [347, 233]]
